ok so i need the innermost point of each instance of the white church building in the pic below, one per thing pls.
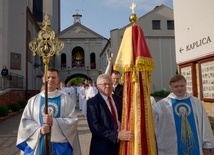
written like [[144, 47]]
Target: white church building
[[84, 53]]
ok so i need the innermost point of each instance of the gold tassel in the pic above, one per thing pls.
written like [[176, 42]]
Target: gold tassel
[[134, 77], [122, 80]]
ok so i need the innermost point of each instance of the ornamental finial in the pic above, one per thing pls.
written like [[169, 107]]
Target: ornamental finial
[[133, 18]]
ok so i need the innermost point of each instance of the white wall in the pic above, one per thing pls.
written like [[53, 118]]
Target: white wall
[[161, 44], [193, 29]]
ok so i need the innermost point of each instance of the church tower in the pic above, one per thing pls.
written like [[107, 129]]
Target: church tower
[[77, 18]]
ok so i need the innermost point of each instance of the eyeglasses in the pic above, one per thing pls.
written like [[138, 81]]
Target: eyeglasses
[[105, 84]]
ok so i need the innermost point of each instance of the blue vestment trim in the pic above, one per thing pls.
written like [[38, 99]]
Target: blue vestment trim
[[25, 148], [187, 137], [63, 148]]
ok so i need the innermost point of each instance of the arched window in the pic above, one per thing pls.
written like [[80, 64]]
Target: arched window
[[93, 61], [63, 61]]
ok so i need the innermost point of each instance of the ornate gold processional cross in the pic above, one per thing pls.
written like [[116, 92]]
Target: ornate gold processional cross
[[46, 45]]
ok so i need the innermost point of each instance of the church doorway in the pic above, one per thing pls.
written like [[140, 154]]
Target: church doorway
[[75, 79]]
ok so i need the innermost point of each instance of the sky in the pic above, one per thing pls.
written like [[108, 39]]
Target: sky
[[102, 16]]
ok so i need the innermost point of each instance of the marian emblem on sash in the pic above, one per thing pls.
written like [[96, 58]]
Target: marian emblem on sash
[[53, 109], [182, 109]]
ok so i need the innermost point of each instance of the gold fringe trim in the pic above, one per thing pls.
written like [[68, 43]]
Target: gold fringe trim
[[142, 64]]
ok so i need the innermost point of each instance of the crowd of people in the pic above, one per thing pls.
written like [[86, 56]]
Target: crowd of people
[[180, 115]]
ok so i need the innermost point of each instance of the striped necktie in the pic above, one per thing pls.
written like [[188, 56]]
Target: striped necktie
[[112, 110]]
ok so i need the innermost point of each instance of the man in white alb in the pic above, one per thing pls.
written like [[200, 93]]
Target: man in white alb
[[181, 123]]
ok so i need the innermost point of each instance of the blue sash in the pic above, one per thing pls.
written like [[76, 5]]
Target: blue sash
[[187, 136]]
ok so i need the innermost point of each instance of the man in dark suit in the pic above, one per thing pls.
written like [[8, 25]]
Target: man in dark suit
[[118, 88], [104, 112]]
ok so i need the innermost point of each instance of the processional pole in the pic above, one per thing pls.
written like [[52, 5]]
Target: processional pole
[[45, 46]]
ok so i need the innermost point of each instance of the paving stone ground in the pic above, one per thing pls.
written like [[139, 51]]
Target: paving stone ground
[[9, 127]]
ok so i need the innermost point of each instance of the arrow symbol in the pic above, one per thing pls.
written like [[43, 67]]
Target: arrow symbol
[[180, 50]]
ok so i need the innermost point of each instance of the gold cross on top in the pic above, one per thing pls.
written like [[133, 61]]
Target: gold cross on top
[[132, 7]]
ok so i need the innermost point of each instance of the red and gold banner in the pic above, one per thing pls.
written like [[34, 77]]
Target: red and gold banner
[[134, 59]]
